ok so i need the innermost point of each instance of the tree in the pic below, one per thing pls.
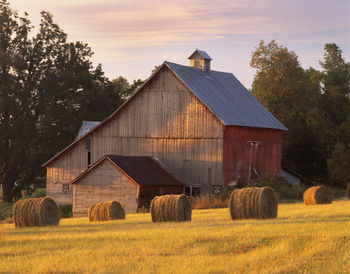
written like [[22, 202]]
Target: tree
[[335, 104], [338, 164], [18, 98], [47, 87], [336, 86], [291, 94], [313, 105], [123, 88]]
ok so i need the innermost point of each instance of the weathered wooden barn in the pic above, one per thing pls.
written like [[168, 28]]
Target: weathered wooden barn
[[203, 125], [131, 180]]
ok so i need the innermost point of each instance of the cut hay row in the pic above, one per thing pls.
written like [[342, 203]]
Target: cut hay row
[[36, 212], [171, 208], [106, 211], [253, 203], [317, 195]]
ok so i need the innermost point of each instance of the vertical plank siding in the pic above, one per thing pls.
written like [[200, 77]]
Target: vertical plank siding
[[104, 183], [63, 171], [164, 120], [236, 150]]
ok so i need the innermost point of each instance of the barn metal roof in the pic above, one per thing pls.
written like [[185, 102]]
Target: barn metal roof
[[226, 97], [202, 53], [221, 92], [145, 170], [86, 127]]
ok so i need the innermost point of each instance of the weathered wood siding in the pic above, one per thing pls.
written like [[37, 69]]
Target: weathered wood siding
[[104, 183], [63, 171], [165, 120], [236, 152]]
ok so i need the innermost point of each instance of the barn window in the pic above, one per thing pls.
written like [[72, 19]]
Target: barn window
[[192, 191], [66, 187], [89, 158]]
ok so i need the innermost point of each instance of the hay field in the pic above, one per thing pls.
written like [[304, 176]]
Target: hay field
[[307, 239]]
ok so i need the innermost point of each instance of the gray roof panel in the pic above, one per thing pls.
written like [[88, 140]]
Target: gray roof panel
[[202, 53], [86, 127], [226, 97]]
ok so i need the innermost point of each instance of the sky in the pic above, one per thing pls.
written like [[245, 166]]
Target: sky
[[130, 37]]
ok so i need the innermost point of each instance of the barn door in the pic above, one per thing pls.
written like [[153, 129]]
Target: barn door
[[252, 155]]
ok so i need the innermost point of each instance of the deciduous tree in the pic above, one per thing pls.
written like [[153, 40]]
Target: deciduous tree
[[47, 87]]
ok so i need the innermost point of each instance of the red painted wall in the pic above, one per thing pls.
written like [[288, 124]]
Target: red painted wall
[[236, 152]]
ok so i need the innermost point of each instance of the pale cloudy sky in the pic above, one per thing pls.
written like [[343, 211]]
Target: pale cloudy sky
[[130, 37]]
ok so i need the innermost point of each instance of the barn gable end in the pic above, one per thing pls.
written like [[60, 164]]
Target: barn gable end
[[163, 119], [104, 183], [167, 121]]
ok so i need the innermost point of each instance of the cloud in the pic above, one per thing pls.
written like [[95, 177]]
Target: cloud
[[154, 30], [134, 23]]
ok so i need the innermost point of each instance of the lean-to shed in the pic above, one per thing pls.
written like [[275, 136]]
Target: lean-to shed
[[202, 124], [131, 180]]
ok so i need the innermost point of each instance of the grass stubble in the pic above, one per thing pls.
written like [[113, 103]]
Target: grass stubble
[[302, 239]]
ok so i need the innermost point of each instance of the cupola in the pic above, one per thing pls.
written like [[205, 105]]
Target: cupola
[[201, 60]]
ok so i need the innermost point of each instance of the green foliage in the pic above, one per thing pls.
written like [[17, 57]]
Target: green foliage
[[66, 211], [339, 163], [6, 211], [282, 188], [39, 193], [313, 105], [48, 86], [123, 88], [338, 193]]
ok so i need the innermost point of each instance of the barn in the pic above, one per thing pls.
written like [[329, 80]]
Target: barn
[[131, 180], [203, 125]]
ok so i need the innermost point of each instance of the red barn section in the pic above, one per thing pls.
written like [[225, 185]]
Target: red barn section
[[251, 153]]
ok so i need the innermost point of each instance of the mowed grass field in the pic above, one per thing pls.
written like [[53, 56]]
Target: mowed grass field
[[303, 239]]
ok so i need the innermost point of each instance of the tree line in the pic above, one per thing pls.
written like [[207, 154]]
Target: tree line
[[314, 106], [48, 86]]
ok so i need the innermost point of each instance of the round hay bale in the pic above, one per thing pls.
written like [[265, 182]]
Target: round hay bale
[[91, 212], [106, 211], [348, 191], [317, 195], [115, 211], [267, 203], [36, 212], [16, 217], [184, 210], [171, 208], [153, 207], [253, 203]]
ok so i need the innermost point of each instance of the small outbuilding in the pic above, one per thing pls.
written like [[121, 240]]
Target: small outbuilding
[[292, 177], [131, 180]]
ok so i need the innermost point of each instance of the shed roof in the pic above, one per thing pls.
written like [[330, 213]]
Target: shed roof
[[202, 53], [143, 170], [226, 97], [86, 127]]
